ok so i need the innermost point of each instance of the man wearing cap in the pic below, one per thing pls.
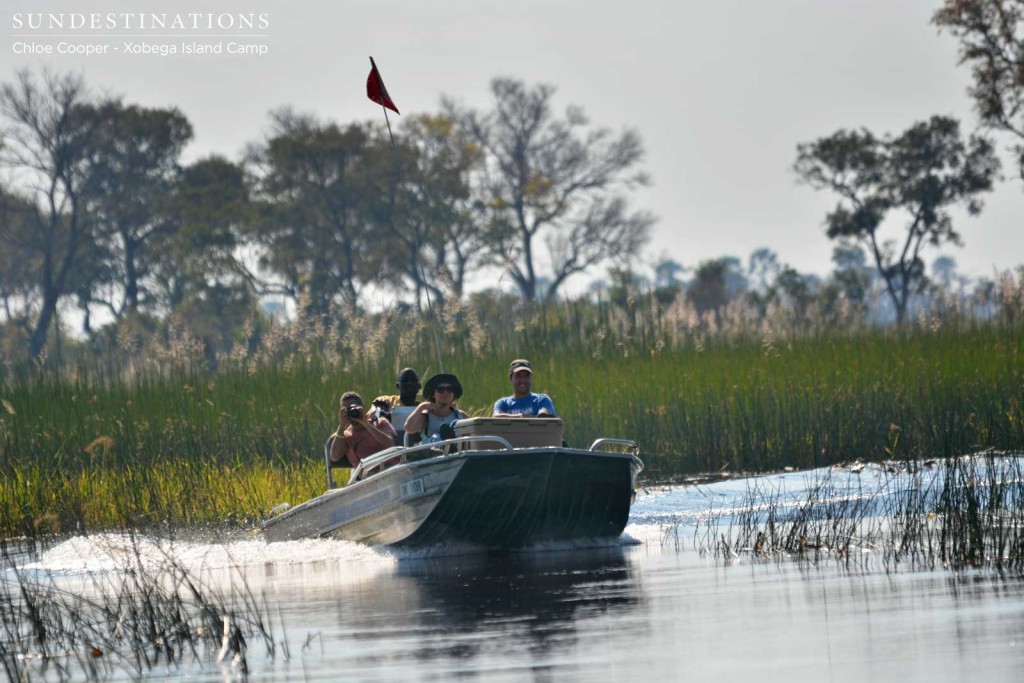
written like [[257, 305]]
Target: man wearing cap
[[523, 402]]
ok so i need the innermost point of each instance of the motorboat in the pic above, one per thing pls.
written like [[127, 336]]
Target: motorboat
[[498, 483]]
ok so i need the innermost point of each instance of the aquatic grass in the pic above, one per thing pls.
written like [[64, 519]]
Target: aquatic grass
[[177, 492], [810, 403], [957, 513], [152, 615], [158, 436]]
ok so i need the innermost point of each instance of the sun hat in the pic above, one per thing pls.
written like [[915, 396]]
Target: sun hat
[[443, 378]]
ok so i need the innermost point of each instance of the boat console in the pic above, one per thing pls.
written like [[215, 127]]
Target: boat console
[[521, 432]]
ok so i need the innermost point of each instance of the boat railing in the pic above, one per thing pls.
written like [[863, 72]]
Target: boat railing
[[633, 446], [385, 455], [630, 444], [376, 462], [402, 454]]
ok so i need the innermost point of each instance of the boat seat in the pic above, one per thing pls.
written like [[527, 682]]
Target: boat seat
[[331, 464], [399, 414]]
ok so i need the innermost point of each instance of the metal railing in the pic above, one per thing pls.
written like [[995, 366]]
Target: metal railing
[[371, 464], [632, 445], [375, 462]]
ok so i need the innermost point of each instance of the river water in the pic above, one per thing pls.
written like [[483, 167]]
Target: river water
[[649, 607]]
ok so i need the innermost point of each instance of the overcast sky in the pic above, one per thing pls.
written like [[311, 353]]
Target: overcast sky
[[721, 91]]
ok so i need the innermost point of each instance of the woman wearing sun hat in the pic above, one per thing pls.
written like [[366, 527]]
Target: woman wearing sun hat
[[434, 417]]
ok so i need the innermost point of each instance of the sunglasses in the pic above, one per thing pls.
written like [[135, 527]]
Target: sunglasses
[[445, 389]]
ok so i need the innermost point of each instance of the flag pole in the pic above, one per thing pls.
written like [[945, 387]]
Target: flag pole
[[390, 134], [376, 91]]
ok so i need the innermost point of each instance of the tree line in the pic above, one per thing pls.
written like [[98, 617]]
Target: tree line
[[99, 213]]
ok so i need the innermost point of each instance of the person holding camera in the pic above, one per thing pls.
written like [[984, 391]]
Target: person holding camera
[[398, 407], [358, 436], [434, 417]]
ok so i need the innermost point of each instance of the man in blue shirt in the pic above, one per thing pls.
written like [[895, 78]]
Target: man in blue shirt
[[523, 402]]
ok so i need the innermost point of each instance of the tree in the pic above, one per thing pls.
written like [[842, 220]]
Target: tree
[[735, 280], [19, 263], [991, 35], [312, 187], [207, 212], [554, 180], [48, 137], [130, 174], [848, 255], [201, 279], [762, 268], [944, 270], [667, 283], [427, 216], [667, 272], [852, 275], [624, 286], [796, 290], [925, 171], [707, 291]]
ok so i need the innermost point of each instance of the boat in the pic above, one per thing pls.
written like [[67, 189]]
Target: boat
[[500, 483]]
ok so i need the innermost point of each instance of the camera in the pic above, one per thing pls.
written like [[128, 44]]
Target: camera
[[383, 409], [355, 411]]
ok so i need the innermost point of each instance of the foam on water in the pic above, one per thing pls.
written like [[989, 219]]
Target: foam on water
[[118, 553], [660, 514], [113, 552]]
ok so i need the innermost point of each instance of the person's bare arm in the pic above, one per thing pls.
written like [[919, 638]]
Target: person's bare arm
[[383, 438], [417, 420], [339, 448]]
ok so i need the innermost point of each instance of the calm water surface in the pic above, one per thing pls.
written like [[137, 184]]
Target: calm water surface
[[647, 608]]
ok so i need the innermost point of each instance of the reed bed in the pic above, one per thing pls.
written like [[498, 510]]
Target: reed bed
[[141, 620], [157, 433], [957, 513]]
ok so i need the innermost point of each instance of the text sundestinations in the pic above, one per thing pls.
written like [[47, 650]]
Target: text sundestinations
[[99, 21]]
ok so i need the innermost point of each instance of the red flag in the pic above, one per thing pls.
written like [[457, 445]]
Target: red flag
[[375, 89]]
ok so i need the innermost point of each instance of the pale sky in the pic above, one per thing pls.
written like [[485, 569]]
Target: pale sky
[[721, 92]]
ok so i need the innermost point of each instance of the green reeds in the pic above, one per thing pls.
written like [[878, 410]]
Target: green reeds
[[151, 616], [156, 436], [957, 513]]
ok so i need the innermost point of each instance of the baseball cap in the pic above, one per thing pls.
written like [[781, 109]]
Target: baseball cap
[[519, 364]]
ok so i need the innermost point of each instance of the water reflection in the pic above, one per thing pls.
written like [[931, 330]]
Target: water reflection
[[534, 599], [486, 612]]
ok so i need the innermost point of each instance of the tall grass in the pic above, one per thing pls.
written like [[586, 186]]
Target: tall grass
[[152, 616], [957, 513], [154, 434]]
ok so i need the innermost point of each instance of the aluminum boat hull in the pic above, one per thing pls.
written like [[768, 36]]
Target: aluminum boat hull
[[496, 499]]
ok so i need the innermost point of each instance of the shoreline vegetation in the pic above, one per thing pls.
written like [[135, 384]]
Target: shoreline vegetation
[[153, 431]]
